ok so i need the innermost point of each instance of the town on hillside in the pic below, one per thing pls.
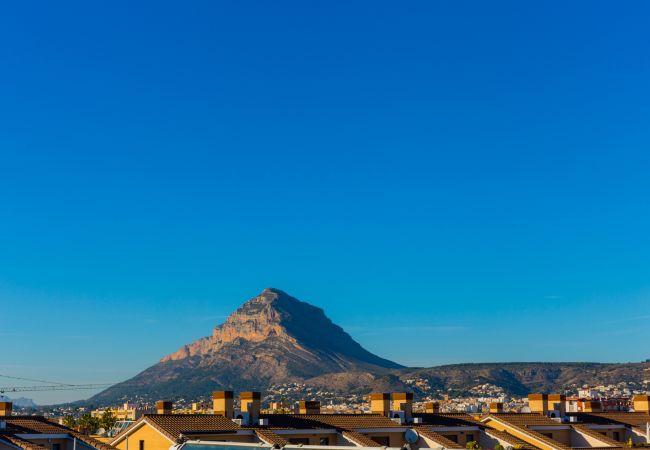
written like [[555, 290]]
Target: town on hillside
[[587, 420]]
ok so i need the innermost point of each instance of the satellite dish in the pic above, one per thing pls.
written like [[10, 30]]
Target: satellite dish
[[411, 436]]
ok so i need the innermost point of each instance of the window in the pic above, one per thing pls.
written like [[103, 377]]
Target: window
[[141, 445], [381, 440], [56, 446], [548, 435], [470, 438], [617, 436], [324, 441], [296, 441]]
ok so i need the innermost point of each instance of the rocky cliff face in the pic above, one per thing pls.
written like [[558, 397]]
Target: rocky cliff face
[[272, 338], [275, 317]]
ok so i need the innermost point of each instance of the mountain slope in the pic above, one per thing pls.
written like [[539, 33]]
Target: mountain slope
[[272, 338], [275, 339]]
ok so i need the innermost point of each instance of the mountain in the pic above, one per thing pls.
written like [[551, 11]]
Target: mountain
[[272, 338], [275, 339], [21, 402]]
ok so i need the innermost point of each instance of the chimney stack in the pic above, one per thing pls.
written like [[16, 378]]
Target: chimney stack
[[222, 404], [308, 407], [538, 403], [641, 403], [496, 407], [557, 402], [380, 403], [403, 401], [432, 407], [251, 403], [6, 408], [164, 407]]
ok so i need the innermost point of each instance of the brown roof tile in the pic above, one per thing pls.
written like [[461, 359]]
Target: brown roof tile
[[514, 441], [360, 439], [348, 422], [173, 425], [270, 437], [448, 419], [596, 435], [438, 438]]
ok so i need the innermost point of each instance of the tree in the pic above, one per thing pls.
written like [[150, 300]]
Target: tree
[[88, 424], [472, 445], [108, 420], [499, 447], [69, 421]]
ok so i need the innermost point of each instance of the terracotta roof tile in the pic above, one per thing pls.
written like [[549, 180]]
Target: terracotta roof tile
[[360, 439], [348, 422], [270, 437], [438, 438], [448, 419], [173, 425], [22, 443], [596, 435], [510, 439]]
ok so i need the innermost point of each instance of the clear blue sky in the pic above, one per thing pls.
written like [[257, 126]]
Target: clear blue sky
[[450, 181]]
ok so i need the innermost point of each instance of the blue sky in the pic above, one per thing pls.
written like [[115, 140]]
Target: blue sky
[[450, 181]]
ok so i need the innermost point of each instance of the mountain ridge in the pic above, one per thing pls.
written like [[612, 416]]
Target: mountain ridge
[[274, 338]]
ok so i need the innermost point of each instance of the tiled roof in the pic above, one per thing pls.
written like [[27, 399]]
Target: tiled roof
[[33, 424], [584, 429], [633, 419], [22, 443], [99, 445], [438, 438], [448, 419], [522, 422], [360, 439], [514, 441], [348, 422], [270, 437], [173, 425], [41, 425], [525, 419]]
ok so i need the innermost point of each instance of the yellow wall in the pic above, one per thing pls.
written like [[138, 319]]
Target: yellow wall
[[153, 440]]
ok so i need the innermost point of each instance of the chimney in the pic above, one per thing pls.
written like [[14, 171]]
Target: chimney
[[308, 407], [403, 401], [380, 403], [432, 407], [641, 403], [6, 408], [164, 407], [592, 406], [251, 403], [222, 404], [538, 403], [557, 402], [496, 407]]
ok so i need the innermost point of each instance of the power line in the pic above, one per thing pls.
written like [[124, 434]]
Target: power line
[[58, 387], [35, 380]]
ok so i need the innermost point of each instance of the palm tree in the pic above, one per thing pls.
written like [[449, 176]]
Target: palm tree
[[69, 421]]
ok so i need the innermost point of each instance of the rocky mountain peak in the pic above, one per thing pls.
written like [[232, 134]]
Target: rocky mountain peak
[[274, 319]]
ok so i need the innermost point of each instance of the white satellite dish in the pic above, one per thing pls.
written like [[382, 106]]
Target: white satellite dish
[[411, 436]]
